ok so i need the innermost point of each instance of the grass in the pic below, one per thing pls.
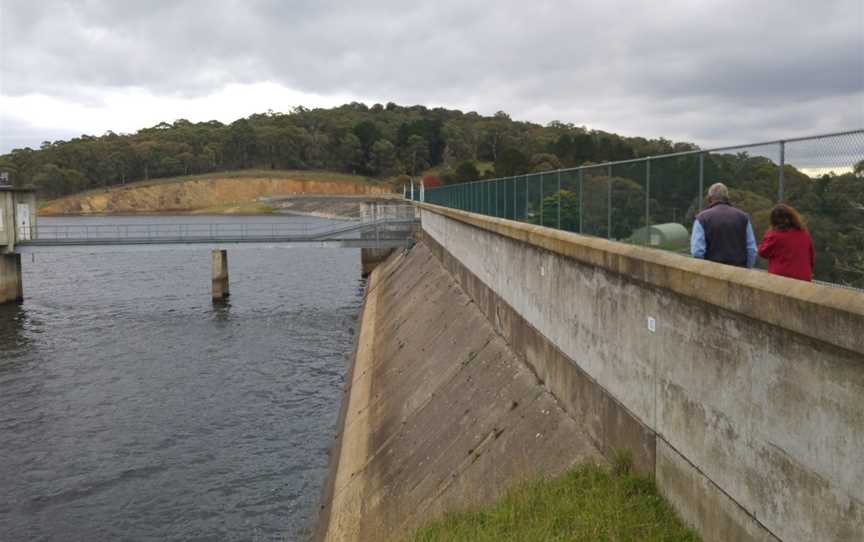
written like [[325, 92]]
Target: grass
[[589, 503], [484, 167]]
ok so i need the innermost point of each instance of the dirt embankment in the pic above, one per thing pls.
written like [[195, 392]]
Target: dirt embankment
[[198, 195]]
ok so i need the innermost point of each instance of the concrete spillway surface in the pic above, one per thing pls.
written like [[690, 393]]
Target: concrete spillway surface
[[439, 414]]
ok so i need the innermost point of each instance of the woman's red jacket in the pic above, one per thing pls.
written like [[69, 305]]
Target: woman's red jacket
[[789, 253]]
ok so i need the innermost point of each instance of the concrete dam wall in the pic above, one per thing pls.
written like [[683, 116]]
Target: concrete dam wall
[[439, 413], [496, 350], [742, 392]]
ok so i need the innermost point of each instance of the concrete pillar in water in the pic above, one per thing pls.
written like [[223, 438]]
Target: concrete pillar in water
[[220, 274], [371, 257], [11, 287]]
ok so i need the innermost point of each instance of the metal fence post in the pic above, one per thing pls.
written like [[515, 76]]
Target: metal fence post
[[559, 199], [701, 179], [609, 202], [781, 180], [496, 197], [515, 181], [484, 194], [485, 198], [647, 197], [541, 199], [580, 200]]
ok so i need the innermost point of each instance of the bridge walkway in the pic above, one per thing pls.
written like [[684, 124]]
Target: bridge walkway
[[380, 233]]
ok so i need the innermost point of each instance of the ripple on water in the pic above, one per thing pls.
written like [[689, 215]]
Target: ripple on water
[[132, 407]]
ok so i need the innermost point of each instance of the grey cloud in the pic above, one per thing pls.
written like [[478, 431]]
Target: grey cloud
[[604, 63], [15, 134]]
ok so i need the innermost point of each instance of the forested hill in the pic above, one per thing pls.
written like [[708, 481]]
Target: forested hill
[[378, 141]]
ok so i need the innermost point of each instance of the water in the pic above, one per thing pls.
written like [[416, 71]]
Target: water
[[132, 408]]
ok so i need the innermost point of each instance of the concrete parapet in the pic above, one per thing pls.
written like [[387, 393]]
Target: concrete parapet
[[219, 260], [745, 397], [11, 287]]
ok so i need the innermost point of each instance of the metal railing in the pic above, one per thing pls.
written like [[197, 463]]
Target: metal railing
[[160, 233], [653, 200]]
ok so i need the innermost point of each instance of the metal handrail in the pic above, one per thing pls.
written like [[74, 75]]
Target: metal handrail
[[175, 232]]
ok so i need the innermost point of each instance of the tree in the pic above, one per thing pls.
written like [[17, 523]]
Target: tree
[[383, 158], [415, 155], [367, 132], [457, 146], [465, 172], [144, 154], [544, 162], [350, 153], [511, 162], [240, 144], [592, 207]]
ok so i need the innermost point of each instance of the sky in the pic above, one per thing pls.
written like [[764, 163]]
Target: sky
[[706, 71]]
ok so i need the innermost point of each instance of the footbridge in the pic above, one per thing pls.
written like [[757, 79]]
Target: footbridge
[[382, 227], [373, 233]]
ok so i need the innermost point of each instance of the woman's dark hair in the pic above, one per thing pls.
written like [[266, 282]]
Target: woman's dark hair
[[784, 217]]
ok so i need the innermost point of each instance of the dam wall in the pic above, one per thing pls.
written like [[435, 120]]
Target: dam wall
[[438, 414], [741, 392]]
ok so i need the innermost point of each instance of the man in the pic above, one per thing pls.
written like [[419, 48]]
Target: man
[[722, 233]]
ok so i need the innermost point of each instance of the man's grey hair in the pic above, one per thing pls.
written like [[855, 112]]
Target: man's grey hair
[[718, 192]]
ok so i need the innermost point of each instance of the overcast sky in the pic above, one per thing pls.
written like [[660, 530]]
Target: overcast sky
[[711, 72]]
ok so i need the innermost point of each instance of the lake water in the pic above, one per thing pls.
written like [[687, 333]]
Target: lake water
[[133, 408]]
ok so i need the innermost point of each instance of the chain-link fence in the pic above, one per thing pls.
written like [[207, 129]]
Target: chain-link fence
[[652, 201]]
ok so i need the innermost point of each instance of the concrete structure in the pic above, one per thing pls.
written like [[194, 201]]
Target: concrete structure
[[439, 413], [11, 287], [670, 234], [17, 223], [220, 288], [17, 217], [394, 210], [742, 392]]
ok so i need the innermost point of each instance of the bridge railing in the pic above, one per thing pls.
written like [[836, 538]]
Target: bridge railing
[[653, 200], [120, 233]]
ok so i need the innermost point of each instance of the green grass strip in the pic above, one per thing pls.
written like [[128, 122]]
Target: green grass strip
[[589, 503]]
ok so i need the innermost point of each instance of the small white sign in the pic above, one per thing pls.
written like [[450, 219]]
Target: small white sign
[[652, 324], [22, 211]]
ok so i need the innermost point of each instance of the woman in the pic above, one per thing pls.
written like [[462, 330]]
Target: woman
[[787, 245]]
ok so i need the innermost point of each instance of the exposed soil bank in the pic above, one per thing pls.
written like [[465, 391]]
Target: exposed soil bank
[[199, 194], [439, 414]]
